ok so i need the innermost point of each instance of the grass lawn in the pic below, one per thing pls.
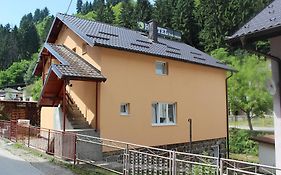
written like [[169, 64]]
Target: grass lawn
[[258, 122], [245, 157]]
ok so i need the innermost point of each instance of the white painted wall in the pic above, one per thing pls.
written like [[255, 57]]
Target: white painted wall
[[267, 154], [275, 44]]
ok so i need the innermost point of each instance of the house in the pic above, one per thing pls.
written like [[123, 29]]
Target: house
[[266, 149], [131, 86], [266, 26]]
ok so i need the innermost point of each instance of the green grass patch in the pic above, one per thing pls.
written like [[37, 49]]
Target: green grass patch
[[257, 122], [244, 157]]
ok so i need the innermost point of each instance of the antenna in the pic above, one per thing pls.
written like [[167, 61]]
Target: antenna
[[67, 9]]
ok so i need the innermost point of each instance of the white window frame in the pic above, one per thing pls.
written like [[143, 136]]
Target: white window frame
[[164, 67], [157, 115], [127, 108]]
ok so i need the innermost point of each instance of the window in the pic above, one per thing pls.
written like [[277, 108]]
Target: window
[[84, 48], [74, 49], [124, 109], [161, 68], [164, 113]]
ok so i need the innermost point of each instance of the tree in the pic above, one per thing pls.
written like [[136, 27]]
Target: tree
[[14, 74], [79, 6], [127, 16], [28, 76], [29, 42], [143, 10], [183, 20], [163, 11], [247, 90]]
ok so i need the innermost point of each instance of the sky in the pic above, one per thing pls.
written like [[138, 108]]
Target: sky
[[11, 11]]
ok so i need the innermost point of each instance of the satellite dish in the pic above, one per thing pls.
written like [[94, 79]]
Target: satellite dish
[[271, 87]]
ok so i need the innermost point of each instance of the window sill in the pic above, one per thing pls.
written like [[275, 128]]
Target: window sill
[[166, 124], [124, 114]]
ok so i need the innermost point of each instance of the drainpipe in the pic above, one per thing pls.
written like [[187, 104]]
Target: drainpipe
[[190, 134], [97, 108], [227, 112]]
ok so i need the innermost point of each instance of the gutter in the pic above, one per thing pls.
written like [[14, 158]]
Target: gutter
[[227, 113]]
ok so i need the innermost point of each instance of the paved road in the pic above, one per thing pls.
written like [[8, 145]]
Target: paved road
[[14, 165], [266, 129]]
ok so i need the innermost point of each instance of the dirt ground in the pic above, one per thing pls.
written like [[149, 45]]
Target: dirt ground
[[42, 163]]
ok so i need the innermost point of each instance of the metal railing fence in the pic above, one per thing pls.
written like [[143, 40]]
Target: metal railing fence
[[126, 158]]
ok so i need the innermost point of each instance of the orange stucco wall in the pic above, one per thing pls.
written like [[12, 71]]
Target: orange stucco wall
[[84, 95], [199, 92], [47, 117]]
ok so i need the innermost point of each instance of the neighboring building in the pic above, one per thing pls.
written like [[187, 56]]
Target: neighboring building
[[266, 149], [266, 25], [19, 94], [130, 86]]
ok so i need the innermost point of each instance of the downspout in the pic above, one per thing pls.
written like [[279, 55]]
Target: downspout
[[227, 113], [97, 108]]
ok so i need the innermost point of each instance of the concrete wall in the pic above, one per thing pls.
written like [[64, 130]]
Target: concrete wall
[[276, 51], [266, 154]]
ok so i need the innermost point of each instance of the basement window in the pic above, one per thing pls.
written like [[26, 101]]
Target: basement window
[[164, 113], [124, 108], [161, 68]]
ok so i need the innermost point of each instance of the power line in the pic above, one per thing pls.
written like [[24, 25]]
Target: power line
[[68, 7]]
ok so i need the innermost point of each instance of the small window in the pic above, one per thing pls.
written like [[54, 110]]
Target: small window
[[84, 48], [124, 109], [74, 49], [164, 113], [161, 68]]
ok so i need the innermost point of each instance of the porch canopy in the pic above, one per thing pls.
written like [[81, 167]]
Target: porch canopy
[[63, 65]]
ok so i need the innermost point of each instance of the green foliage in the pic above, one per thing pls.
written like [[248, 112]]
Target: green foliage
[[184, 21], [35, 89], [143, 10], [163, 11], [43, 28], [28, 76], [14, 74], [127, 17], [247, 91], [240, 142]]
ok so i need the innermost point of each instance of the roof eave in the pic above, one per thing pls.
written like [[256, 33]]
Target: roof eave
[[172, 58], [255, 36]]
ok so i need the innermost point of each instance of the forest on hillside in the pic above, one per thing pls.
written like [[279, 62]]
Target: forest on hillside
[[204, 24]]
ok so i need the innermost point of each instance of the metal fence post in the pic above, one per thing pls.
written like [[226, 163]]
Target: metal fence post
[[48, 147], [16, 132], [75, 147], [174, 169], [28, 143], [221, 167], [126, 160]]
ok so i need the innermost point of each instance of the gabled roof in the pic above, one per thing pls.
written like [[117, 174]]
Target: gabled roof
[[105, 35], [72, 66], [264, 25]]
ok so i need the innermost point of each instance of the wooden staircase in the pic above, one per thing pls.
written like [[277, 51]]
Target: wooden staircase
[[74, 115]]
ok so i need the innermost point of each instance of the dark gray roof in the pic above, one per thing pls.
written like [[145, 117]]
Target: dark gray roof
[[72, 65], [263, 25], [105, 35]]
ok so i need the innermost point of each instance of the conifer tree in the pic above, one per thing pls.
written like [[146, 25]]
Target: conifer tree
[[79, 6], [183, 20], [143, 10]]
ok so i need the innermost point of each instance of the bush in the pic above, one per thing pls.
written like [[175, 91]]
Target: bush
[[240, 141]]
